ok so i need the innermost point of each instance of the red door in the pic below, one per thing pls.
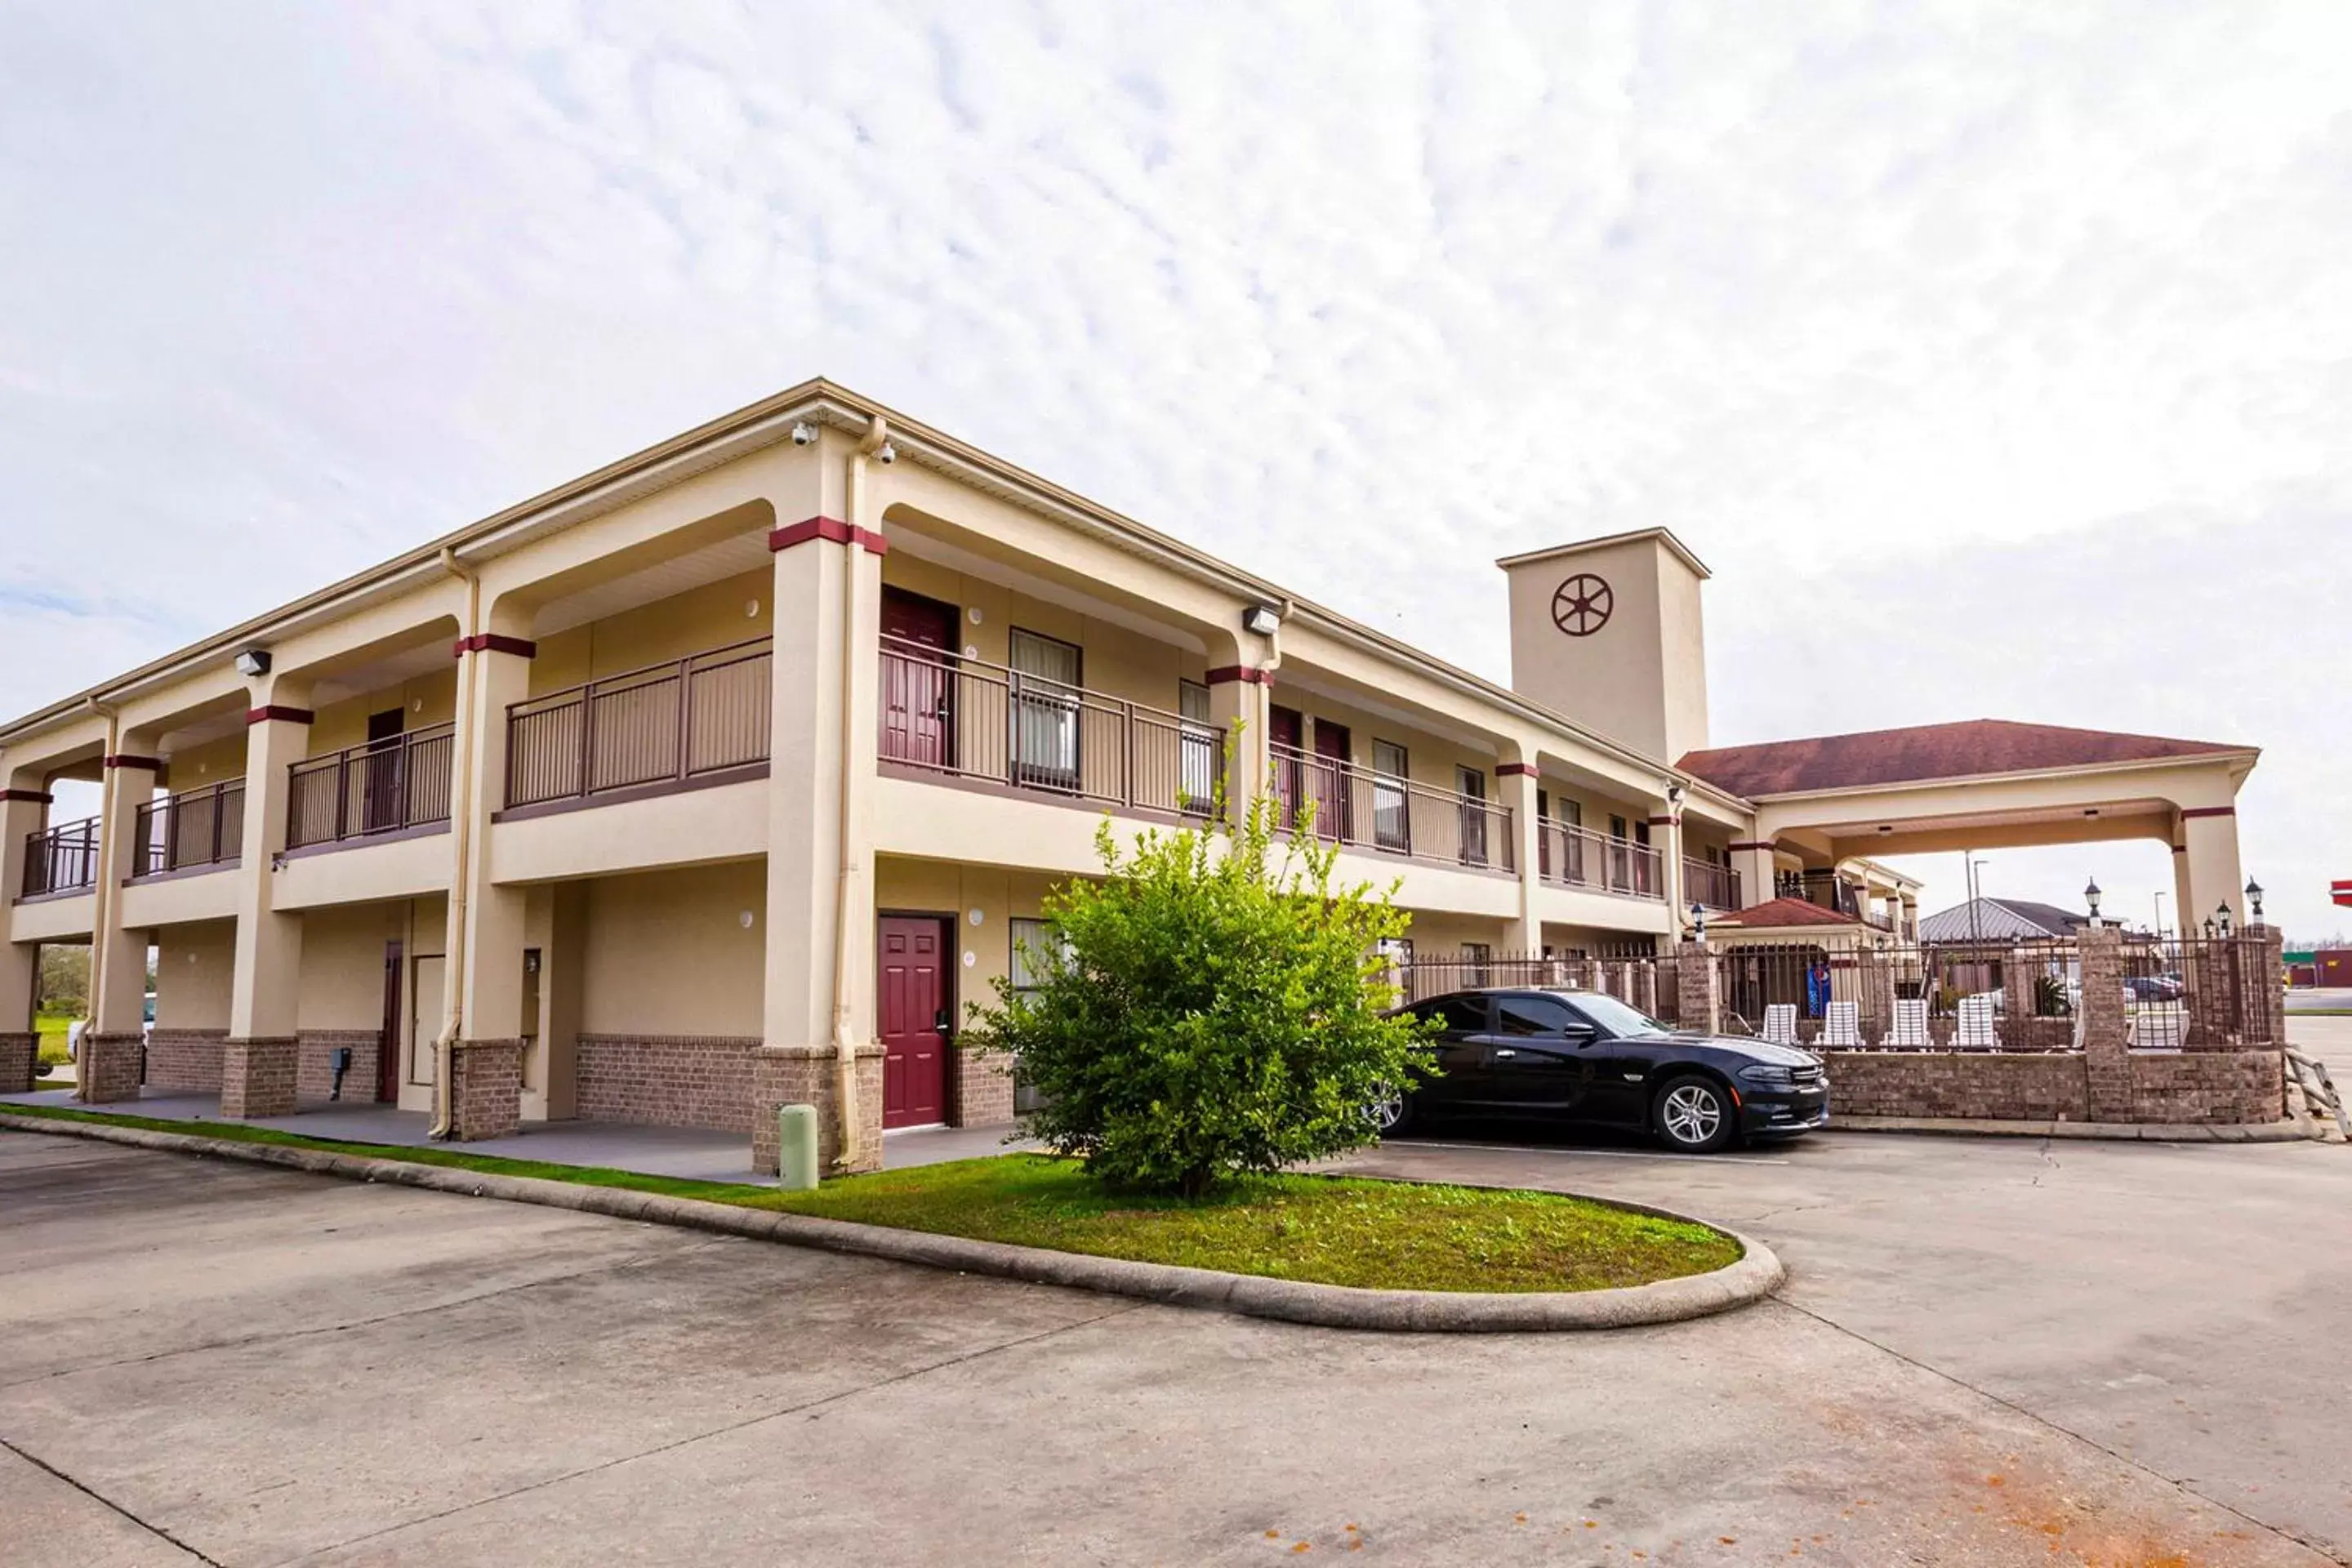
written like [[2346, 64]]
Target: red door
[[914, 1011], [918, 685], [1331, 803], [1285, 732]]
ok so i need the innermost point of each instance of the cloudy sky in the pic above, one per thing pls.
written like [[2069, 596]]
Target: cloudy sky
[[1998, 358]]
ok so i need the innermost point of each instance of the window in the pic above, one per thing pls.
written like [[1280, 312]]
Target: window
[[1044, 697], [1471, 785], [1197, 764], [1392, 810], [1456, 1014], [1532, 1015], [1477, 955], [1035, 946], [1615, 1018]]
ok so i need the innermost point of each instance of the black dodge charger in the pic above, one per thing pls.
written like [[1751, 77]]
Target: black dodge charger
[[1533, 1054]]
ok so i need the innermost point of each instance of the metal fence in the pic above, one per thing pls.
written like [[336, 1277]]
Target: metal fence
[[383, 786], [61, 859], [196, 827], [1574, 857], [1366, 809], [1705, 882], [969, 719], [666, 723]]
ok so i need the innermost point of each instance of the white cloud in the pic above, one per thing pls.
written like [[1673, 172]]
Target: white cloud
[[1865, 301]]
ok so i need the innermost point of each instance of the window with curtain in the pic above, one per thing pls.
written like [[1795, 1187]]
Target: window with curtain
[[1044, 697], [1391, 807], [1471, 785], [1197, 764]]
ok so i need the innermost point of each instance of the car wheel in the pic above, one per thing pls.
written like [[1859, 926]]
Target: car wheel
[[1391, 1114], [1693, 1114]]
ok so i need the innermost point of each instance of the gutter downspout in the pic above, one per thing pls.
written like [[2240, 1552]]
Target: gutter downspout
[[102, 922], [462, 831], [844, 1043]]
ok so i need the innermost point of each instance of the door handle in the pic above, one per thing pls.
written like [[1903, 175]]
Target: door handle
[[939, 1020]]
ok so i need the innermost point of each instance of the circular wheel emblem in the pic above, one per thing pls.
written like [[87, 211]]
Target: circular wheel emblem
[[1581, 605]]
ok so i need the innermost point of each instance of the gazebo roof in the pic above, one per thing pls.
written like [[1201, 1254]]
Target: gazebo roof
[[1782, 914], [1974, 748]]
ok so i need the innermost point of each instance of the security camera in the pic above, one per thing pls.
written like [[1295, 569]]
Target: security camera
[[887, 454], [804, 433]]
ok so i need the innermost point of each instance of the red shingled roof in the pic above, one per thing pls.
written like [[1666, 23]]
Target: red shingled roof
[[1786, 912], [1923, 752]]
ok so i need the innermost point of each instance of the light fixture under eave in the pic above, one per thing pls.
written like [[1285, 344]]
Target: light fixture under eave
[[1261, 620], [253, 662]]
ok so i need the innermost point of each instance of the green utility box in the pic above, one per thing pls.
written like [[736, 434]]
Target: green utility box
[[796, 1147]]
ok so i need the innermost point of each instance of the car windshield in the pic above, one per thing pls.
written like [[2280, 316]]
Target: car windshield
[[1618, 1019]]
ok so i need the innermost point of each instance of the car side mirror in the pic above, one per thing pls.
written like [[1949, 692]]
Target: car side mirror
[[1578, 1034]]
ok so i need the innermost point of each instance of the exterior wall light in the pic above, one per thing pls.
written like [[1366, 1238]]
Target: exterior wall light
[[1259, 620], [2090, 897], [1698, 920], [2254, 896], [253, 662], [2222, 915]]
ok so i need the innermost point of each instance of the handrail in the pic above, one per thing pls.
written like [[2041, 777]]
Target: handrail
[[668, 723], [1710, 883], [970, 718], [202, 826], [1362, 806], [1577, 856], [373, 788], [62, 858]]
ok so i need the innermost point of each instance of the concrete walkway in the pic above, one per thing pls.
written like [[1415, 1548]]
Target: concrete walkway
[[687, 1153]]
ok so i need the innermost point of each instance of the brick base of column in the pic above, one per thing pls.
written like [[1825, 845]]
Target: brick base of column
[[807, 1075], [983, 1086], [20, 1057], [1697, 1000], [258, 1077], [111, 1066], [485, 1090]]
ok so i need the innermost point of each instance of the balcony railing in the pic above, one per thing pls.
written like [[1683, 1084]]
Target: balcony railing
[[196, 827], [61, 859], [367, 791], [666, 724], [1580, 857], [1705, 882], [973, 720], [1378, 811]]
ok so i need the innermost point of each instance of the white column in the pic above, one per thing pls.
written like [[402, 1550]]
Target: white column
[[264, 977], [1515, 780], [1752, 858], [2216, 881]]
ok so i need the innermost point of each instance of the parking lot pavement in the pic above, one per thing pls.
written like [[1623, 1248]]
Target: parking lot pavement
[[260, 1367]]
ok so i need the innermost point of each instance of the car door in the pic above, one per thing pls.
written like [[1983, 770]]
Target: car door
[[1536, 1056], [1618, 1071], [1460, 1051]]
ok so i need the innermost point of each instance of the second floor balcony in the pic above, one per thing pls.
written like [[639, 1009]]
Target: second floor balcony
[[967, 719], [1363, 808], [1708, 883], [61, 859], [197, 829], [399, 784], [1573, 856], [703, 718]]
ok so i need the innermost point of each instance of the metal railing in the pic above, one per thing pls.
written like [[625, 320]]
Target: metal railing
[[381, 787], [1572, 857], [195, 827], [1362, 808], [61, 859], [971, 719], [666, 723], [1705, 882]]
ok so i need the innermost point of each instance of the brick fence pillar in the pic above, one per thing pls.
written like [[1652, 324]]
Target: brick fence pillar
[[20, 1057], [485, 1090], [110, 1067], [806, 1075], [1697, 996], [2106, 1043], [258, 1077]]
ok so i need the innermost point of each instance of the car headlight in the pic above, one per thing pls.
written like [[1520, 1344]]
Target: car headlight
[[1767, 1073]]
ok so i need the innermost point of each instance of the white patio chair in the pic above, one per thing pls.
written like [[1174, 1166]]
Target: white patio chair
[[2159, 1026], [1841, 1029], [1910, 1030], [1973, 1031], [1780, 1023]]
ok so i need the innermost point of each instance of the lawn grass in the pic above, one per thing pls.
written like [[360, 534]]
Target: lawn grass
[[51, 1029], [1332, 1230]]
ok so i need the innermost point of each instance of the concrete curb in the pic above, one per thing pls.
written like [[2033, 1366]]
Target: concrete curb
[[2124, 1132], [1756, 1275]]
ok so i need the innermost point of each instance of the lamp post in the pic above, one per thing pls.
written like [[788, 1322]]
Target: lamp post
[[2221, 914], [2090, 897], [1698, 920], [2255, 899], [2159, 917]]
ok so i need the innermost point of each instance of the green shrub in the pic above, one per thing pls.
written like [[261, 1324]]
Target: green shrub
[[1216, 1007]]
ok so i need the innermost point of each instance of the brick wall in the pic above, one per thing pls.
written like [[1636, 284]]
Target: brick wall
[[804, 1075], [19, 1056], [257, 1078], [185, 1061], [983, 1090], [485, 1089], [667, 1081], [2209, 1087], [314, 1063], [2191, 1088], [109, 1067]]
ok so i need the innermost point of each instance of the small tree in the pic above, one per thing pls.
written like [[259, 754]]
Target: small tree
[[1214, 1006]]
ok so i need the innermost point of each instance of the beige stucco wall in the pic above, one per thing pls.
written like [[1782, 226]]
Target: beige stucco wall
[[1640, 679], [342, 965], [716, 614], [193, 967], [424, 700], [665, 952]]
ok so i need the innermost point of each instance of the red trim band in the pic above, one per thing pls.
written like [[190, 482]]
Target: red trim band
[[1757, 844], [1516, 770], [1225, 674], [2187, 812], [122, 760], [272, 711], [496, 642], [34, 797], [1664, 821], [832, 531]]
